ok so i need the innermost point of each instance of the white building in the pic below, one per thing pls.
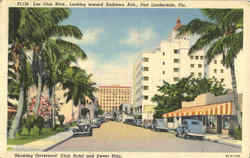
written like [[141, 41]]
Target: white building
[[170, 62]]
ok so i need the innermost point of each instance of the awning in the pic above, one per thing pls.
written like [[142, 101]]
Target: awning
[[213, 109]]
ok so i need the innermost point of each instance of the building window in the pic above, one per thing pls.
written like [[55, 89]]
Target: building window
[[145, 87], [215, 61], [145, 68], [192, 73], [192, 57], [176, 51], [222, 79], [221, 70], [145, 59], [163, 63], [199, 65], [163, 72], [196, 57], [163, 53], [176, 78], [176, 60], [215, 71], [176, 69], [145, 97], [145, 78], [200, 74], [192, 65], [201, 57]]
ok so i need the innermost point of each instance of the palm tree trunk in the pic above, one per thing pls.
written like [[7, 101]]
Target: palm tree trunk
[[236, 120], [16, 121], [53, 107], [38, 96]]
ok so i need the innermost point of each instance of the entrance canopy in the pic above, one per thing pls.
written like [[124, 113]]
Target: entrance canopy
[[212, 109]]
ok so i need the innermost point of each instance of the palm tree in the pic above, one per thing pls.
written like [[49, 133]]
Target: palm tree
[[78, 84], [58, 55], [52, 28], [19, 83], [29, 28], [222, 35]]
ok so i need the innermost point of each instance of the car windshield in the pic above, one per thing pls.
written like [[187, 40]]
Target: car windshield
[[195, 123]]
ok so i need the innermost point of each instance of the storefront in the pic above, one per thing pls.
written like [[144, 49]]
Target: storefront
[[214, 111]]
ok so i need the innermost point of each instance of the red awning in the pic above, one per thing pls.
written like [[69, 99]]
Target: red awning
[[213, 109]]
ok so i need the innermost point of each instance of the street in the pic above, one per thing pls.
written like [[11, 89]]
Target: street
[[116, 136]]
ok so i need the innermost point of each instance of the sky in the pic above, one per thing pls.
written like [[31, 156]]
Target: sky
[[113, 37]]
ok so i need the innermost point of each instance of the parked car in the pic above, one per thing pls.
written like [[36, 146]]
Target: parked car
[[160, 125], [84, 128], [138, 122], [101, 119], [147, 124], [95, 123], [130, 121], [108, 117], [191, 128]]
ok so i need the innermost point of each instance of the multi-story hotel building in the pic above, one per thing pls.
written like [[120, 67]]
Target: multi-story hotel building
[[169, 63], [111, 97]]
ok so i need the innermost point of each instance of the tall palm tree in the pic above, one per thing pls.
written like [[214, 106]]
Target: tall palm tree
[[52, 28], [23, 82], [58, 55], [79, 85], [222, 35], [28, 29]]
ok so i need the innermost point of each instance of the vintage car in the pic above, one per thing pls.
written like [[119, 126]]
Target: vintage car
[[130, 121], [138, 122], [160, 125], [84, 128], [191, 128]]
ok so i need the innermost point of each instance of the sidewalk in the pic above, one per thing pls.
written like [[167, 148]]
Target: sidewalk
[[218, 138], [223, 139], [44, 144]]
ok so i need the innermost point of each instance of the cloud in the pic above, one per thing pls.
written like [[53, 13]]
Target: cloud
[[119, 72], [139, 37], [90, 37]]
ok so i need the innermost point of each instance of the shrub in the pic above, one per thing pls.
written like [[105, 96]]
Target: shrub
[[40, 123], [61, 119], [236, 133]]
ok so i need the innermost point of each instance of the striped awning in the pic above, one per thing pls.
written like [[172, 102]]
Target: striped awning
[[213, 109]]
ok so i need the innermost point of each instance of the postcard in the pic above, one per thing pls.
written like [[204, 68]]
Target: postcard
[[118, 79]]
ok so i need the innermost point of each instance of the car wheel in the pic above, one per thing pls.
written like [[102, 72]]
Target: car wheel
[[185, 136]]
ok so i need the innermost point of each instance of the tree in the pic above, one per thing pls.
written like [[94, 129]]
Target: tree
[[51, 29], [19, 81], [186, 89], [78, 84], [221, 35], [58, 55], [29, 29]]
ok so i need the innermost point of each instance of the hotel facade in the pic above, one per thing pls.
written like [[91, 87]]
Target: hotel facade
[[111, 97], [170, 62]]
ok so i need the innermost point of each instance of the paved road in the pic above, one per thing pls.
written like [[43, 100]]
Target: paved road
[[115, 136]]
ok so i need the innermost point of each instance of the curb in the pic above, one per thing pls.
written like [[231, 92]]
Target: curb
[[58, 143], [215, 141], [224, 143]]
